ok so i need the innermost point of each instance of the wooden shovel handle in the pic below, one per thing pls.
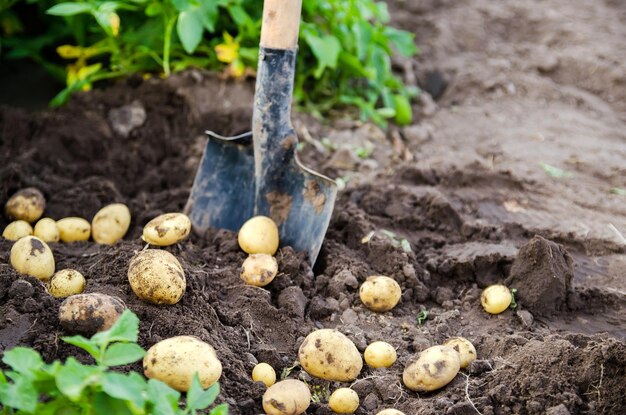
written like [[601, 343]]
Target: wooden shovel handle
[[281, 24]]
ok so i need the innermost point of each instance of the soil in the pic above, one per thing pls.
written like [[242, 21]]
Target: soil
[[511, 85]]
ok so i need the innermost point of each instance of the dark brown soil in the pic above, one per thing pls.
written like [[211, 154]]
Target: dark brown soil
[[459, 186]]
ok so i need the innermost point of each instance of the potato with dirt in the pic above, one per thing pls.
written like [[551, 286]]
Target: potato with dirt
[[265, 373], [65, 283], [380, 293], [167, 229], [390, 412], [16, 230], [156, 276], [259, 269], [380, 354], [343, 401], [32, 256], [259, 235], [110, 224], [328, 354], [87, 314], [27, 204], [465, 349], [434, 368], [74, 229], [47, 230], [176, 360], [287, 397], [496, 298]]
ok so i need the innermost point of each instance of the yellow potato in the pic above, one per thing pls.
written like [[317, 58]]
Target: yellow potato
[[74, 229], [27, 204], [330, 355], [259, 235], [110, 224], [465, 349], [89, 313], [496, 298], [32, 256], [157, 277], [390, 412], [167, 229], [66, 282], [287, 397], [46, 229], [434, 368], [16, 230], [380, 293], [380, 354], [344, 401], [176, 360], [264, 373], [259, 269]]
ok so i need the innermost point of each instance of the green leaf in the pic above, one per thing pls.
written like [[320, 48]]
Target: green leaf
[[119, 354], [125, 329], [107, 405], [555, 171], [83, 343], [240, 17], [618, 191], [198, 398], [404, 113], [163, 398], [23, 360], [69, 9], [219, 410], [106, 19], [326, 49], [128, 387], [403, 41], [189, 28], [21, 394], [208, 14], [362, 31], [181, 5], [154, 9], [73, 377]]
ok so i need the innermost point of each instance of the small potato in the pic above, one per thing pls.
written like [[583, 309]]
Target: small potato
[[46, 229], [259, 235], [264, 373], [65, 283], [167, 229], [176, 360], [390, 412], [27, 204], [380, 354], [87, 314], [380, 293], [344, 401], [74, 229], [110, 224], [496, 298], [157, 277], [465, 349], [434, 368], [330, 355], [259, 269], [16, 230], [287, 397], [32, 256]]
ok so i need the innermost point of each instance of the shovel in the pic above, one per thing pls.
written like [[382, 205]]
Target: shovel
[[260, 174]]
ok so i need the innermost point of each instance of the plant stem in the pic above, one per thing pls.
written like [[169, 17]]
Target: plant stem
[[167, 44]]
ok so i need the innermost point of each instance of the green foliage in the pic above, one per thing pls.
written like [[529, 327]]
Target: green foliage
[[422, 316], [34, 387], [513, 305], [343, 62]]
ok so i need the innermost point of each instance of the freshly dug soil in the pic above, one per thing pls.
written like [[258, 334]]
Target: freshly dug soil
[[463, 186]]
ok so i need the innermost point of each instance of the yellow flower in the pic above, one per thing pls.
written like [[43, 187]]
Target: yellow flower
[[228, 51]]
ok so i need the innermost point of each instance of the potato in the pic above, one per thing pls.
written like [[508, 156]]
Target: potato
[[380, 293], [16, 230], [74, 229], [167, 229], [465, 349], [330, 355], [32, 256], [264, 373], [496, 298], [344, 401], [380, 354], [434, 368], [259, 235], [110, 224], [87, 314], [176, 360], [65, 283], [287, 397], [390, 412], [27, 204], [46, 229], [157, 277], [259, 269]]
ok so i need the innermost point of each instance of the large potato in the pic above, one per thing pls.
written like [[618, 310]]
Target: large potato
[[46, 229], [259, 235], [344, 401], [259, 269], [157, 277], [287, 397], [16, 230], [380, 354], [496, 298], [265, 373], [380, 293], [390, 412], [65, 283], [27, 204], [434, 368], [329, 354], [89, 313], [32, 256], [176, 360], [167, 229], [110, 224], [74, 229], [465, 349]]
